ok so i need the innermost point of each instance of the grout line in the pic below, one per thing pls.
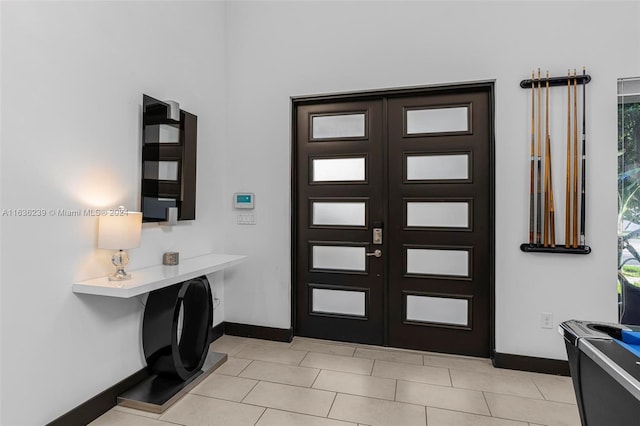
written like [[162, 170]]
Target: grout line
[[315, 379], [395, 392], [426, 418], [169, 422], [289, 411], [450, 378], [445, 386], [541, 393], [262, 379], [526, 422], [364, 396], [265, 407], [299, 413], [342, 371], [238, 348], [247, 366], [263, 411], [299, 364], [386, 360], [250, 390], [395, 361], [376, 398], [277, 383], [335, 396], [526, 397], [487, 404]]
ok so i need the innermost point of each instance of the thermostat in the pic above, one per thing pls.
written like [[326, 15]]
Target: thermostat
[[243, 200]]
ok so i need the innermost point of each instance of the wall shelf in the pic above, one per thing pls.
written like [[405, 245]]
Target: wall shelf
[[156, 277], [169, 151]]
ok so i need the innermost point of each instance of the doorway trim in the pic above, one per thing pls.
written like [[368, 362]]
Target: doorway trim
[[296, 101]]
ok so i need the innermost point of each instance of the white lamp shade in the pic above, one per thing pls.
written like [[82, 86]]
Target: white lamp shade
[[120, 232]]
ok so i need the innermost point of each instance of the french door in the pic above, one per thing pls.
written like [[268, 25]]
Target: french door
[[392, 223]]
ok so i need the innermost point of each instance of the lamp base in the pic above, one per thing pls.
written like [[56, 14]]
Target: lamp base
[[120, 259]]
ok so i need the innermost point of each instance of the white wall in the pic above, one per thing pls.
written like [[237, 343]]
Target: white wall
[[280, 49], [73, 75]]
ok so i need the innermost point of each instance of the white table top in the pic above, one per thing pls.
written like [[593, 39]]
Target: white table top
[[152, 278]]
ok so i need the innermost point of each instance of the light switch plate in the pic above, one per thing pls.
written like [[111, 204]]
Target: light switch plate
[[246, 219]]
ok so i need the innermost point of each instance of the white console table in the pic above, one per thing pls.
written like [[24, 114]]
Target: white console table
[[156, 277], [163, 388]]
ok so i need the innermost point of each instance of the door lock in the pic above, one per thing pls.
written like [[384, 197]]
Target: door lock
[[376, 253], [377, 235]]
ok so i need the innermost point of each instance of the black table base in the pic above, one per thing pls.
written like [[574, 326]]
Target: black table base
[[175, 339], [157, 393]]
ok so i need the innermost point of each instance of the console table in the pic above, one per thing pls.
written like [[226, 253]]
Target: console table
[[180, 293]]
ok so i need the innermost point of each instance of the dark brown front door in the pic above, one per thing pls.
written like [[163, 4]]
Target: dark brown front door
[[392, 218], [439, 216], [340, 290]]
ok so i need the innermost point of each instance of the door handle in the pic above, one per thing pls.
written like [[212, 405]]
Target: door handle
[[376, 253]]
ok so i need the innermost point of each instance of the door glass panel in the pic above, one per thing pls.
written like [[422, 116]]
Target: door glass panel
[[438, 262], [161, 133], [438, 167], [339, 302], [437, 120], [161, 170], [441, 310], [339, 257], [338, 169], [438, 214], [339, 214], [338, 126]]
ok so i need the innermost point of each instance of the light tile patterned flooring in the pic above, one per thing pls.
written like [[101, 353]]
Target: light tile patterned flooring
[[320, 383]]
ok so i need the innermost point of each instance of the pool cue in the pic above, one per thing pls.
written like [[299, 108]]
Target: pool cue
[[567, 197], [551, 207], [545, 232], [532, 171], [575, 160], [539, 167], [584, 157]]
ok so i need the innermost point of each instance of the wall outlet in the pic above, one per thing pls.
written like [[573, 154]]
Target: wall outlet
[[546, 320], [216, 301]]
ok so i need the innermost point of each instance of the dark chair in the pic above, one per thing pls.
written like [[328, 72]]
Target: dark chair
[[630, 309]]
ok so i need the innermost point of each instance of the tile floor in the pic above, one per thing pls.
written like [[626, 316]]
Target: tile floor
[[320, 383]]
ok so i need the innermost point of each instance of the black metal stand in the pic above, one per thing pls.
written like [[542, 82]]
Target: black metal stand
[[179, 359], [533, 248]]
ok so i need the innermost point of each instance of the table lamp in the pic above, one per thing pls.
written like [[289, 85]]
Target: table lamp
[[120, 232]]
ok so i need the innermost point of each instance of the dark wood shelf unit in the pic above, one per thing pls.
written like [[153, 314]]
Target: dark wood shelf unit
[[160, 194]]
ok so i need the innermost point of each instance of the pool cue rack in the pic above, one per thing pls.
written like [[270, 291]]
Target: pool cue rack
[[557, 81], [529, 248], [542, 163]]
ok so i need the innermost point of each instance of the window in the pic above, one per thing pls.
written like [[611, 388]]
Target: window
[[629, 199]]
